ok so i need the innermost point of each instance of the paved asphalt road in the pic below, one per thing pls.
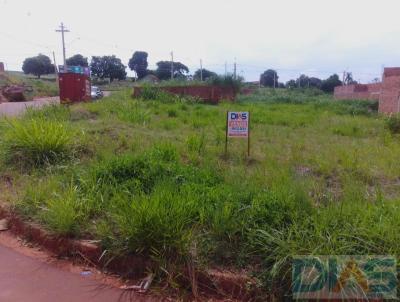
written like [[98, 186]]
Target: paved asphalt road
[[26, 279]]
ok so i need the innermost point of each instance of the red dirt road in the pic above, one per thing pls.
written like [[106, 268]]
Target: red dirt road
[[17, 108], [25, 277]]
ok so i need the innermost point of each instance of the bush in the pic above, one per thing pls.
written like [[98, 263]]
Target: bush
[[38, 141], [393, 124], [227, 81]]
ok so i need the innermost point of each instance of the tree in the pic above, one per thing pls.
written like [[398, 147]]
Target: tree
[[163, 70], [315, 82], [302, 81], [139, 64], [330, 83], [291, 84], [269, 78], [78, 60], [348, 79], [108, 67], [206, 74], [38, 65]]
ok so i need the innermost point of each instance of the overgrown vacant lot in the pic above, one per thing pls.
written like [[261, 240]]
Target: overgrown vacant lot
[[150, 177]]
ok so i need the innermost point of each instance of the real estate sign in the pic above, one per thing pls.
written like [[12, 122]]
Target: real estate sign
[[238, 124]]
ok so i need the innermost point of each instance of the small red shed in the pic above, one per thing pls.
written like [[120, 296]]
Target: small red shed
[[74, 87]]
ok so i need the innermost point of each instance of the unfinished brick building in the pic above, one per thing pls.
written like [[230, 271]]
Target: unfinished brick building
[[390, 93], [358, 92], [387, 92]]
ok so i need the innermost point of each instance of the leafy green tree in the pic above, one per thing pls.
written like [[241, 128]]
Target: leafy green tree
[[206, 74], [78, 60], [315, 82], [302, 81], [330, 83], [139, 64], [163, 71], [108, 67], [291, 84], [269, 78], [38, 65]]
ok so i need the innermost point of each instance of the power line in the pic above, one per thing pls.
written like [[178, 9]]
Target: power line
[[24, 41]]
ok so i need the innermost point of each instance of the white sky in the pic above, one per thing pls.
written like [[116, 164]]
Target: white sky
[[315, 37]]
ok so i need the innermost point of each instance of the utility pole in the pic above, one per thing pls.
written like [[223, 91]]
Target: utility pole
[[274, 79], [225, 68], [201, 70], [344, 77], [55, 66], [172, 65], [234, 69], [63, 30]]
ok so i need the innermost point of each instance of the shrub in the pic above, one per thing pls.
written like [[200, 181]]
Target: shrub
[[150, 93], [393, 124], [227, 81], [38, 141]]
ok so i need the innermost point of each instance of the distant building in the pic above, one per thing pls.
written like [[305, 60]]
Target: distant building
[[1, 67], [151, 79]]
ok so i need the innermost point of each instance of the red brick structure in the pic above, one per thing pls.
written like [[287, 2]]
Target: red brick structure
[[1, 67], [389, 99], [211, 94], [358, 92], [387, 92]]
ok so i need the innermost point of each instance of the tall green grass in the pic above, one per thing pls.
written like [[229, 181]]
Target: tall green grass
[[38, 141], [322, 178]]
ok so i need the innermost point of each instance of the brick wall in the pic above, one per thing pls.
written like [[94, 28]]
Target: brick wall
[[389, 98], [211, 94], [358, 92]]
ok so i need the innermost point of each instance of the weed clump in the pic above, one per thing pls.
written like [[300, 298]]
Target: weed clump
[[393, 124], [38, 141]]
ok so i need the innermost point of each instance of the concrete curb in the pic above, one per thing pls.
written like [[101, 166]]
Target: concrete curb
[[211, 282]]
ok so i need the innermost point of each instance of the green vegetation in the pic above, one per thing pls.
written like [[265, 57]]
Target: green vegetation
[[393, 124], [154, 181], [38, 141]]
